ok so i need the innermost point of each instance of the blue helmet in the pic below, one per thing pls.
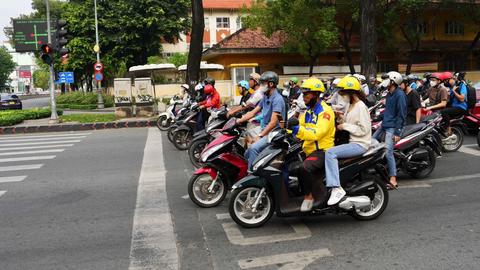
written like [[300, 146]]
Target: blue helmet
[[244, 84]]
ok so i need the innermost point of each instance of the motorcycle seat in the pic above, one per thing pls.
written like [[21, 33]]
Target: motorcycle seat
[[375, 146], [410, 129]]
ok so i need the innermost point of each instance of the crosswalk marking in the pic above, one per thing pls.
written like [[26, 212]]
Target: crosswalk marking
[[20, 167], [26, 158], [32, 152], [43, 139], [467, 149], [5, 137], [10, 179], [35, 147], [37, 143], [2, 192]]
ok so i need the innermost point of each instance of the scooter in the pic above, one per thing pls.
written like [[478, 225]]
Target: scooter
[[458, 127], [274, 186], [166, 119], [223, 165]]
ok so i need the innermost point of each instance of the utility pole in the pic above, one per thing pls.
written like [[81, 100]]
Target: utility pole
[[53, 105], [100, 104]]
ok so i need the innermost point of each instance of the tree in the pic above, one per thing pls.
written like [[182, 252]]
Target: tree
[[7, 66], [196, 44], [368, 38], [308, 26], [41, 78], [348, 19]]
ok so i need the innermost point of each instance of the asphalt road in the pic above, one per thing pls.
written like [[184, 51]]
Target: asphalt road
[[429, 224], [36, 103]]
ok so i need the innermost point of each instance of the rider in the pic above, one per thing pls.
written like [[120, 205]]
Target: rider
[[273, 110], [294, 89], [244, 88], [458, 98], [316, 128], [253, 82], [212, 101], [437, 93], [358, 123], [393, 120], [414, 106]]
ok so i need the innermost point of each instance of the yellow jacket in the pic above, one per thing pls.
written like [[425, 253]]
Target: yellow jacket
[[317, 128]]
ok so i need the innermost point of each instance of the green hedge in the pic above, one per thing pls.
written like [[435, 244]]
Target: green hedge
[[13, 117], [80, 100]]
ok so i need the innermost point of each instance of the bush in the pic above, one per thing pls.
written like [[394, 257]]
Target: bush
[[13, 117], [83, 101]]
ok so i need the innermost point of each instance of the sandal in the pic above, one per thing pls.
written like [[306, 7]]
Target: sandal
[[391, 186]]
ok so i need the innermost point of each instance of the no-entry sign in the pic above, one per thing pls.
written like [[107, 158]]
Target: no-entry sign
[[98, 66]]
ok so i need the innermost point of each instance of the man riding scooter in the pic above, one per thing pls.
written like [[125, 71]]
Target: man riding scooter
[[316, 128], [212, 101]]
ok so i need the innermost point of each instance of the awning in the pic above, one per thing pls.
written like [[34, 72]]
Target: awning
[[203, 66], [153, 67]]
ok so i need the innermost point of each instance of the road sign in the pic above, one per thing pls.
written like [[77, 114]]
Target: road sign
[[98, 76], [96, 48], [98, 66], [66, 77], [30, 35]]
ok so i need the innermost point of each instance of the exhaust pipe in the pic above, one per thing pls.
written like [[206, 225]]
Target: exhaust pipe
[[359, 202]]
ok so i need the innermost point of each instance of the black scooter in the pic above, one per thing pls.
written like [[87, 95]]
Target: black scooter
[[274, 185]]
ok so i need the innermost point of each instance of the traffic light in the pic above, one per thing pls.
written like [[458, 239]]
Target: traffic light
[[60, 38], [47, 56]]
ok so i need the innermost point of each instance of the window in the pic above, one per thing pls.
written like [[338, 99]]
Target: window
[[223, 22], [454, 28], [242, 73], [239, 22], [207, 23], [422, 28]]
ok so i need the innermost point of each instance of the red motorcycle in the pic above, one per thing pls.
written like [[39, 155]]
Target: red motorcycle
[[223, 165]]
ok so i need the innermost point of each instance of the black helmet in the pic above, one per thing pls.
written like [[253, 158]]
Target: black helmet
[[427, 75], [460, 75], [269, 76], [209, 80]]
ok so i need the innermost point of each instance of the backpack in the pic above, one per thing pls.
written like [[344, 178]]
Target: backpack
[[471, 96]]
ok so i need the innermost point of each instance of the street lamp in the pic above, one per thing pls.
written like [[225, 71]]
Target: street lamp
[[53, 105], [100, 104]]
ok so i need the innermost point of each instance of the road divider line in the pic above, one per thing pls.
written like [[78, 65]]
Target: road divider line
[[11, 179], [35, 147], [290, 261], [427, 183], [2, 192], [32, 152], [38, 143], [43, 139], [467, 150], [20, 167], [6, 137], [153, 243], [26, 158]]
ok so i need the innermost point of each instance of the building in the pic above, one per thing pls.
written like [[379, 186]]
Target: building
[[21, 78], [222, 17]]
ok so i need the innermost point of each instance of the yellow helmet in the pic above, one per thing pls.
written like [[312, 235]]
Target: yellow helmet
[[349, 83], [312, 84]]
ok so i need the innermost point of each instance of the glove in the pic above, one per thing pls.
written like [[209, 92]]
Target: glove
[[292, 122]]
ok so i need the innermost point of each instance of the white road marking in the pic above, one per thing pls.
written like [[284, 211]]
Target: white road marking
[[223, 216], [26, 158], [2, 192], [8, 137], [153, 240], [35, 147], [32, 152], [37, 143], [427, 183], [43, 139], [10, 179], [236, 237], [289, 261], [20, 167], [467, 149], [185, 197]]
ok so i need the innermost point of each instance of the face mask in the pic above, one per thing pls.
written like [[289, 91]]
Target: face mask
[[263, 88], [433, 83], [285, 92], [344, 99]]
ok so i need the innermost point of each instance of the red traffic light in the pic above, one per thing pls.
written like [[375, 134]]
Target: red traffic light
[[47, 49]]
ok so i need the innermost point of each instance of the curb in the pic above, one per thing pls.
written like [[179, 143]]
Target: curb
[[76, 127]]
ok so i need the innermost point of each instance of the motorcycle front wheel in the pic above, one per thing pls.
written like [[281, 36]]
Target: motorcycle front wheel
[[453, 144], [198, 190], [163, 123], [170, 133], [240, 207], [195, 150], [182, 139]]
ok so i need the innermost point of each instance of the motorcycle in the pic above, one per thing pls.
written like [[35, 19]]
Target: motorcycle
[[453, 142], [166, 119], [478, 138], [274, 187], [223, 165]]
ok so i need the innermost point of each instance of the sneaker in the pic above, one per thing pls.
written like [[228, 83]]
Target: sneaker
[[306, 206], [337, 194]]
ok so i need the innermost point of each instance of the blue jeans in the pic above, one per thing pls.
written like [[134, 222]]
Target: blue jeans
[[392, 166], [331, 160], [252, 152]]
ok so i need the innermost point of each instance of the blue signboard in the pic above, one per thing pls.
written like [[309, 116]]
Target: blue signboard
[[65, 77]]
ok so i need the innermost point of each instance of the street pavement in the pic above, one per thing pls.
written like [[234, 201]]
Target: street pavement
[[97, 200]]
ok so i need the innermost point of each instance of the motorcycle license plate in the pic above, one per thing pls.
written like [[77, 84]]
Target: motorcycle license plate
[[11, 103]]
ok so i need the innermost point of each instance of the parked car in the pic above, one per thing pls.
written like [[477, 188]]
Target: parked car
[[10, 102]]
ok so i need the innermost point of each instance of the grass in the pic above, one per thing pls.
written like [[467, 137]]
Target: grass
[[88, 118]]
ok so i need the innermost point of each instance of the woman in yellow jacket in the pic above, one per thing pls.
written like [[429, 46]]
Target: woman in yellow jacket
[[316, 128]]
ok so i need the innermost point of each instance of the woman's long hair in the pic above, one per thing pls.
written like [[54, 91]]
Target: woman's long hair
[[360, 94]]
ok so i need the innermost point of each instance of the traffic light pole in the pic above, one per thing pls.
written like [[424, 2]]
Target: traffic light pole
[[53, 105], [100, 104]]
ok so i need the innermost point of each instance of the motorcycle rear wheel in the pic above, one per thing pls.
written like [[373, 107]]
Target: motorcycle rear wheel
[[240, 204], [378, 204], [182, 139], [428, 170], [199, 194], [195, 150], [453, 147], [478, 138]]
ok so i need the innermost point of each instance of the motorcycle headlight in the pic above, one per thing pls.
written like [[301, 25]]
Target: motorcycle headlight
[[261, 162], [207, 153]]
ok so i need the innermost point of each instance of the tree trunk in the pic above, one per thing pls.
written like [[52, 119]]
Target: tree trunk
[[348, 51], [196, 44], [313, 60], [410, 63], [368, 38]]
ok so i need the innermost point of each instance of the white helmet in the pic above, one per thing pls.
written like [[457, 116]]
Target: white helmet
[[198, 87], [359, 77], [394, 77], [185, 86], [336, 81]]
